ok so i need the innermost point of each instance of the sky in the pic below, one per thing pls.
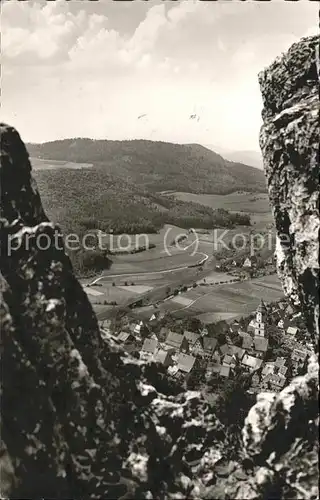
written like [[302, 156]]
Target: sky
[[91, 69]]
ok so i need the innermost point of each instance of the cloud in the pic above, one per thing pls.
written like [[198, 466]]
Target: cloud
[[90, 68]]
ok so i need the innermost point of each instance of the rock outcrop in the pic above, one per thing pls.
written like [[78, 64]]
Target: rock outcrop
[[78, 419], [280, 436], [289, 141]]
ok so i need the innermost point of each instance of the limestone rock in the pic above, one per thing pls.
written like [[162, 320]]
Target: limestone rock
[[280, 435], [289, 141]]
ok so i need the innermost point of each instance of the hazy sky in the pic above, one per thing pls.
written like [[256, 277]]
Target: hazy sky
[[90, 69]]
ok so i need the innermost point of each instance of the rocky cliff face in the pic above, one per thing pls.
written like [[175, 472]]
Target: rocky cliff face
[[280, 436], [79, 420]]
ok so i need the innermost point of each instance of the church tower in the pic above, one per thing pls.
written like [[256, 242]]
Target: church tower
[[261, 316]]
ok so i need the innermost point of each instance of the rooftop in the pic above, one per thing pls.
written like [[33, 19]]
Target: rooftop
[[268, 368], [261, 307], [225, 349], [280, 361], [209, 343], [174, 339], [185, 362], [225, 371], [161, 356], [292, 330], [251, 362], [228, 360], [247, 341], [123, 336], [261, 344], [191, 337], [150, 345], [237, 351]]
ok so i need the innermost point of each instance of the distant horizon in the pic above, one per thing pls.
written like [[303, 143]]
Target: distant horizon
[[211, 147], [181, 72]]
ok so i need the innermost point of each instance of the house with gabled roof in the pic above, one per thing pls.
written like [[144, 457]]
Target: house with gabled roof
[[236, 351], [228, 360], [163, 357], [247, 342], [177, 341], [224, 371], [149, 348], [185, 362], [261, 344], [224, 349], [191, 337], [209, 345], [251, 362], [197, 348]]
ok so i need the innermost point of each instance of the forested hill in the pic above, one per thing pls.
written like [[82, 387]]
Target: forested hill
[[157, 166]]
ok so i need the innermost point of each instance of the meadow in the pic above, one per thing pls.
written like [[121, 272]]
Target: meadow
[[238, 201], [224, 301], [39, 164]]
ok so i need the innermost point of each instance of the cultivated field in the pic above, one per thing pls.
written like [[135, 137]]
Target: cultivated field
[[236, 202], [209, 303], [254, 204], [165, 257]]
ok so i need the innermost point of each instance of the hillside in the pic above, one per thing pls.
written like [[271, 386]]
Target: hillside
[[87, 199], [157, 166], [92, 198]]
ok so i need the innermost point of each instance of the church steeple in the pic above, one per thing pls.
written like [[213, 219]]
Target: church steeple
[[260, 319]]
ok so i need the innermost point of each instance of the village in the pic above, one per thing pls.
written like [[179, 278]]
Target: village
[[271, 346]]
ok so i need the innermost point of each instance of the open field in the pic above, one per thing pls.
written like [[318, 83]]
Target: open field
[[238, 202], [255, 205], [108, 293], [39, 164], [136, 288], [92, 291], [215, 278], [164, 257], [225, 301]]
